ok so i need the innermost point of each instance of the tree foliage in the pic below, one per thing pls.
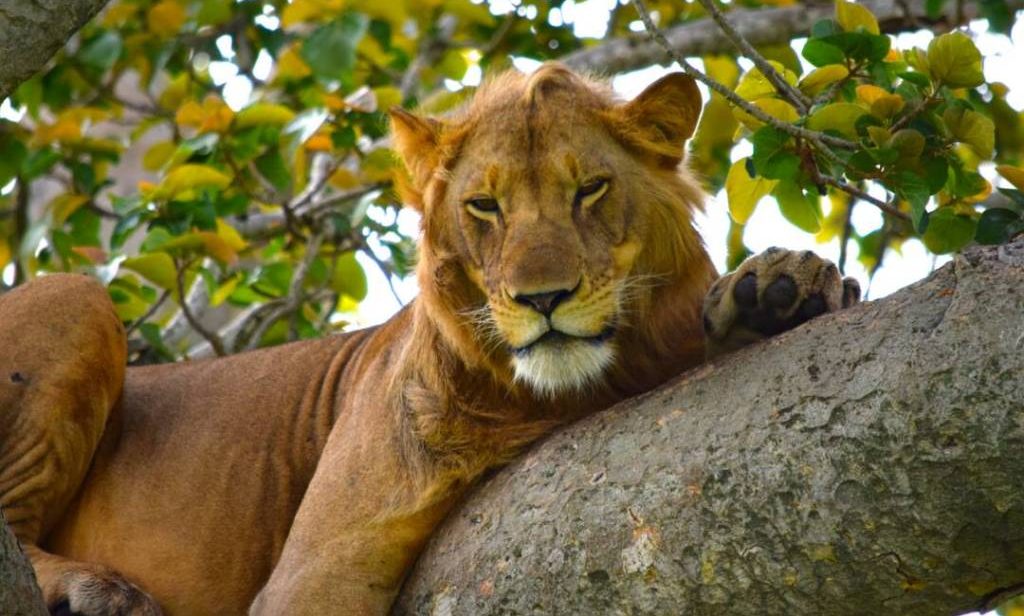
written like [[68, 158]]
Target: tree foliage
[[223, 219]]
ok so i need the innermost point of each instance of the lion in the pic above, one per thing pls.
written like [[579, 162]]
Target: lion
[[560, 272]]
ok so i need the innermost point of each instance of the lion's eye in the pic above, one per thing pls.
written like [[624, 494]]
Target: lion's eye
[[483, 207], [591, 192]]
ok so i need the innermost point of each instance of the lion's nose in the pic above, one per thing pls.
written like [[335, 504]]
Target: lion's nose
[[545, 303]]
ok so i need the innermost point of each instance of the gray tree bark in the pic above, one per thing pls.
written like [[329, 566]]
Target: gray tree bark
[[869, 462], [31, 31], [764, 26], [19, 593]]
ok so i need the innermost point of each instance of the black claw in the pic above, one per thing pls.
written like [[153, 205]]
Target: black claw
[[851, 292], [745, 291], [782, 293], [813, 306]]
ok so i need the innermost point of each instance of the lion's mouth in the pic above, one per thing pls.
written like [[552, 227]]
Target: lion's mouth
[[555, 338]]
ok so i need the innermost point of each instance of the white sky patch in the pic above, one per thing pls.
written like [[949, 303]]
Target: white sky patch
[[9, 112]]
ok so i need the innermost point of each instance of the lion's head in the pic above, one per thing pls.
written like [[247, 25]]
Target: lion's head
[[550, 212]]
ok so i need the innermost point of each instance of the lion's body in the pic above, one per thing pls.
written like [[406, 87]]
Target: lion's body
[[560, 272], [202, 467]]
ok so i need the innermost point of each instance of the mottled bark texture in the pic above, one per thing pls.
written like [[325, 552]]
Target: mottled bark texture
[[869, 462], [763, 26], [31, 31], [19, 594]]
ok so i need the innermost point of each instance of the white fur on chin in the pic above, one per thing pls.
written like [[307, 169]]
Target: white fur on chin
[[552, 368]]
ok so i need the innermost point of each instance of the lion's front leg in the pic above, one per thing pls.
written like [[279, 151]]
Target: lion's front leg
[[770, 293], [361, 525]]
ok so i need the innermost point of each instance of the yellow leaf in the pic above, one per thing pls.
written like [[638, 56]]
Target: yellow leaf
[[753, 85], [5, 253], [190, 114], [392, 11], [820, 78], [722, 69], [64, 130], [869, 93], [744, 192], [319, 143], [218, 248], [166, 18], [774, 107], [65, 205], [118, 14], [343, 179], [230, 235], [264, 113], [887, 106], [840, 117], [853, 17], [387, 97], [467, 12], [299, 11], [955, 61], [225, 290], [176, 91], [157, 155], [291, 66], [157, 267], [190, 177], [1014, 175]]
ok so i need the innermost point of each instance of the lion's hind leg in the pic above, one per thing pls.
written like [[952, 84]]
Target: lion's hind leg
[[62, 362]]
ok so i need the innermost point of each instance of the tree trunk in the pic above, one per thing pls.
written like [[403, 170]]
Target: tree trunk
[[31, 31], [869, 462], [19, 594]]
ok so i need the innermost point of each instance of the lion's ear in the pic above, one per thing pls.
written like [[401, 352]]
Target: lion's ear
[[416, 139], [663, 116]]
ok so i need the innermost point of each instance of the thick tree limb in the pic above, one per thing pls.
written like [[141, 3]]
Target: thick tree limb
[[866, 463], [766, 26], [19, 594], [31, 31]]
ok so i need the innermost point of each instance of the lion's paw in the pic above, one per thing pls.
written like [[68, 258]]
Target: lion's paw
[[103, 593], [770, 293]]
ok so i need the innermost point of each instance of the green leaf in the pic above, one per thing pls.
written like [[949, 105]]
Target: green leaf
[[860, 46], [955, 61], [744, 191], [330, 51], [972, 128], [948, 231], [997, 225], [839, 117], [799, 208], [933, 8], [157, 267], [820, 53], [914, 190], [102, 52], [349, 278], [272, 166], [771, 159]]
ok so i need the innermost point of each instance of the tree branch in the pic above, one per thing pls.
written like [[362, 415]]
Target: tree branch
[[766, 26], [31, 32], [867, 462], [19, 592]]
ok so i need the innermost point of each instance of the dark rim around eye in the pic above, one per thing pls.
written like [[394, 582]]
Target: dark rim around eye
[[488, 206], [590, 188]]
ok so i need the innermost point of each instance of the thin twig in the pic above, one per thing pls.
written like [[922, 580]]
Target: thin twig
[[149, 313], [888, 208], [215, 342], [796, 131], [783, 87]]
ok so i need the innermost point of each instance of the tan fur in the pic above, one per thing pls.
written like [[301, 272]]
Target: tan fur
[[317, 470]]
